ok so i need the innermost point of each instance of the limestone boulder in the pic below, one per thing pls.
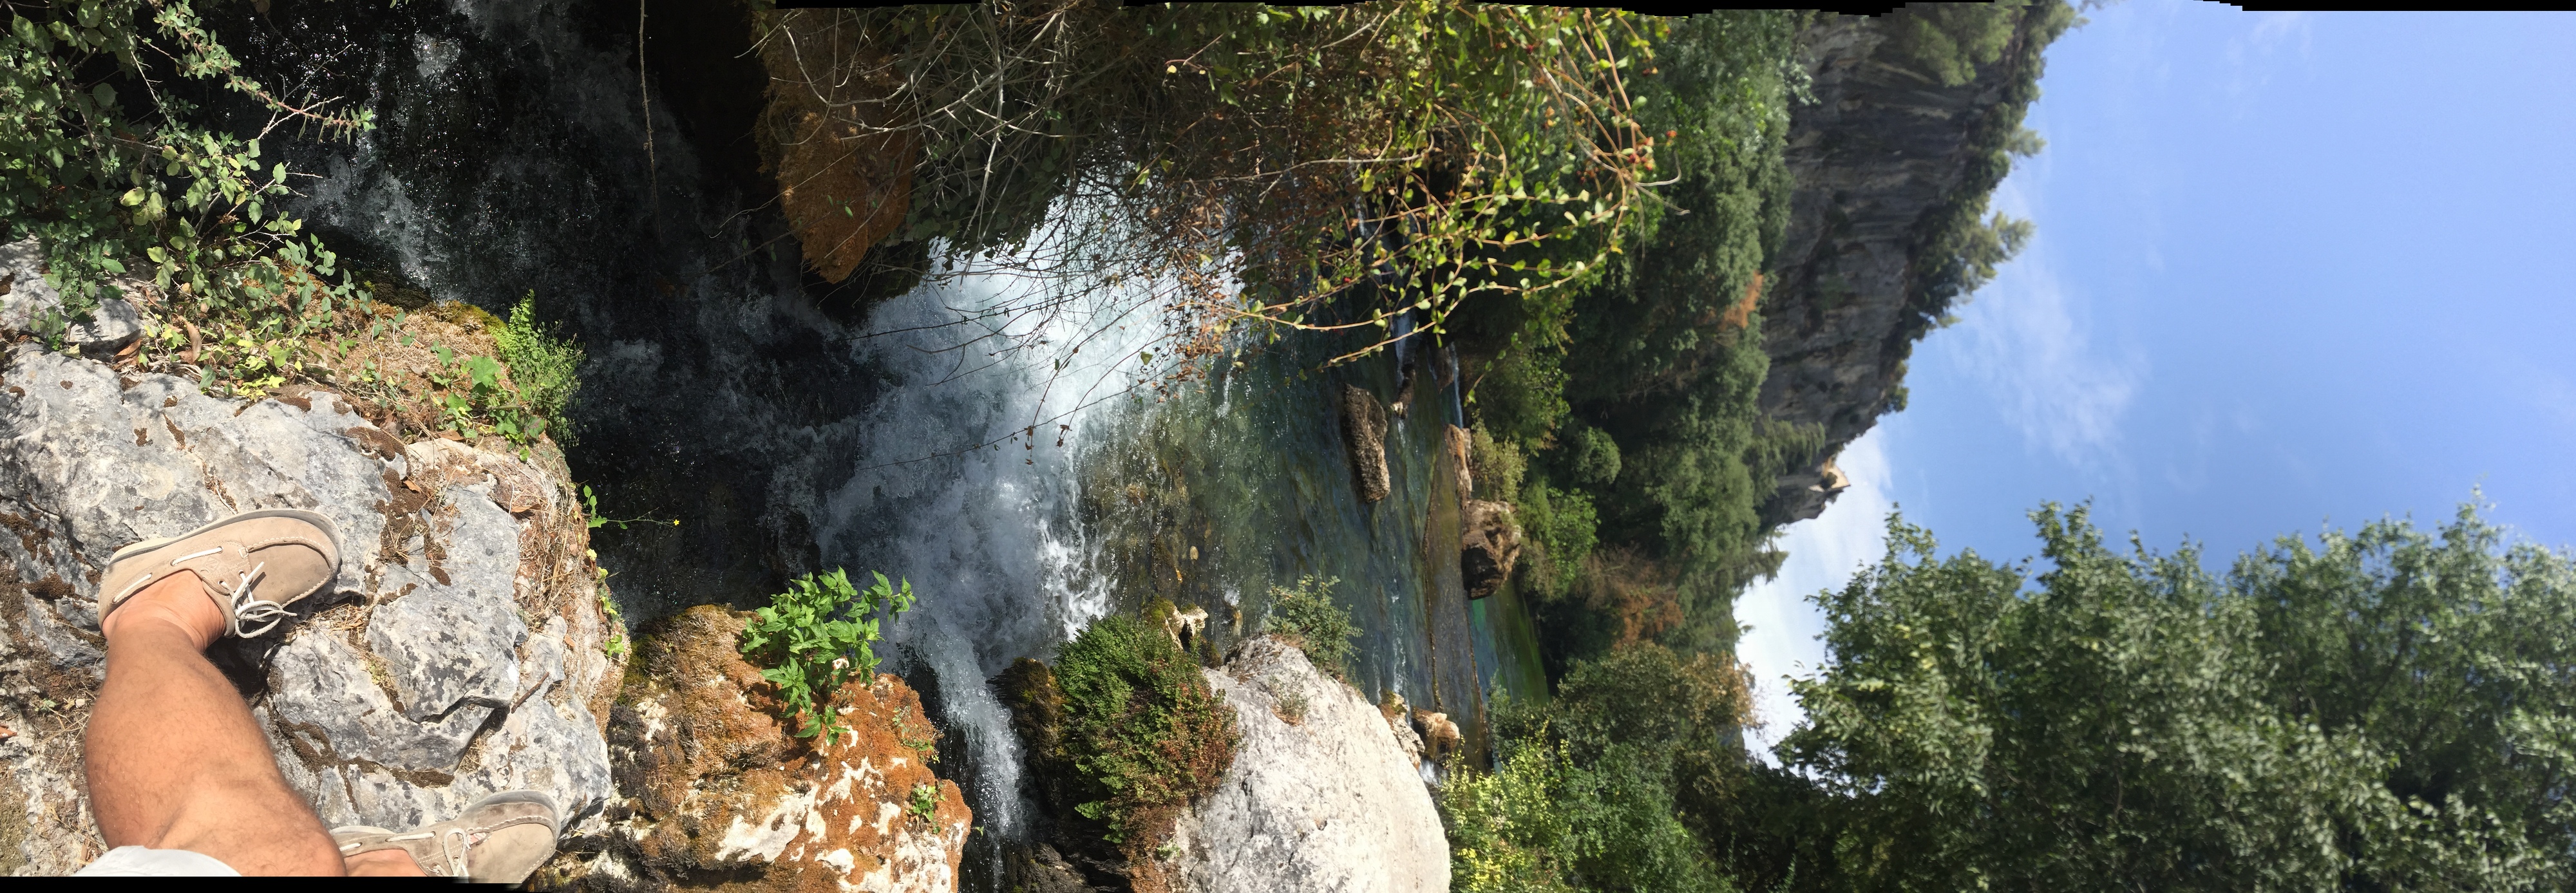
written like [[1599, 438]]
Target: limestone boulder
[[1321, 796], [720, 792], [461, 651]]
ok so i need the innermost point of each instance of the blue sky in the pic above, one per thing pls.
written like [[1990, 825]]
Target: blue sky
[[2292, 269]]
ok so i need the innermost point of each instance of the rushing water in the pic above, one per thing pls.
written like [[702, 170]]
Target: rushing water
[[789, 431]]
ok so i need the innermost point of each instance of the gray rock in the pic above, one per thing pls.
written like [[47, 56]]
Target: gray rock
[[1880, 151], [453, 644], [457, 654], [116, 321], [1330, 802]]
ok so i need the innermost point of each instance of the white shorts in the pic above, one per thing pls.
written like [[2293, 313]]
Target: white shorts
[[138, 861]]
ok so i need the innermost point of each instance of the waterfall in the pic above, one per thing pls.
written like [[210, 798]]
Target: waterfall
[[951, 490]]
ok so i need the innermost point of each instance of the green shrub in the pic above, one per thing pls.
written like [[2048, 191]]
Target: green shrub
[[542, 364], [106, 163], [1497, 465], [816, 636], [1591, 457], [1141, 730], [1322, 629], [1562, 527], [1585, 796]]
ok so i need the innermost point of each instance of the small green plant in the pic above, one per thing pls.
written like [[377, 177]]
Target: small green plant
[[542, 364], [1322, 629], [1292, 706], [615, 644], [923, 742], [817, 635], [590, 509], [925, 802]]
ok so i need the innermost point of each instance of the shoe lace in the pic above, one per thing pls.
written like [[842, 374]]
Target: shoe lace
[[455, 855], [454, 846], [242, 604]]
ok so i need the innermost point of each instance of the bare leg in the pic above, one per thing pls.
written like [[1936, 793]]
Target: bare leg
[[175, 760]]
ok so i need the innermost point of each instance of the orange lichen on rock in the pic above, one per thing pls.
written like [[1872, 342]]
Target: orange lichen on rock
[[830, 134], [724, 795]]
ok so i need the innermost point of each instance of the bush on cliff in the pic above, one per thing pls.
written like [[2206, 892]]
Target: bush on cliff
[[1124, 732], [1305, 613]]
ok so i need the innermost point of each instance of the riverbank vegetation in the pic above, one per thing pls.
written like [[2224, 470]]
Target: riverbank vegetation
[[1256, 171]]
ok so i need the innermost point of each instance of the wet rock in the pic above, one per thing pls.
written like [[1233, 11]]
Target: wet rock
[[1186, 626], [1455, 441], [1440, 737], [1330, 802], [1399, 719], [1489, 548], [1040, 869], [1364, 431], [721, 792], [458, 653]]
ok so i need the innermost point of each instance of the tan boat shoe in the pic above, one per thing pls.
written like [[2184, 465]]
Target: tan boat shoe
[[501, 839], [253, 565]]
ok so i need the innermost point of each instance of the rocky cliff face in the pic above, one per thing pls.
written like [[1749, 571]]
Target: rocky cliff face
[[1881, 160], [460, 653]]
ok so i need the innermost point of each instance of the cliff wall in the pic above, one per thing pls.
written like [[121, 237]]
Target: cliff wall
[[1888, 160]]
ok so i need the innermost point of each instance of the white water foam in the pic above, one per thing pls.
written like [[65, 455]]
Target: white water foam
[[980, 523]]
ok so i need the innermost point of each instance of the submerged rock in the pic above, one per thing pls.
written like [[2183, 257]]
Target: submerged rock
[[1364, 430], [459, 653], [1321, 796], [1489, 548], [720, 791]]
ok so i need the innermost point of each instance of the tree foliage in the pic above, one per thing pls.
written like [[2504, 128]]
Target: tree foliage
[[106, 164], [2390, 709], [1305, 168], [1585, 794]]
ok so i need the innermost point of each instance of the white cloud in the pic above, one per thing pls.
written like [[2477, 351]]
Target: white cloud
[[2253, 58], [2031, 343], [1781, 626]]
